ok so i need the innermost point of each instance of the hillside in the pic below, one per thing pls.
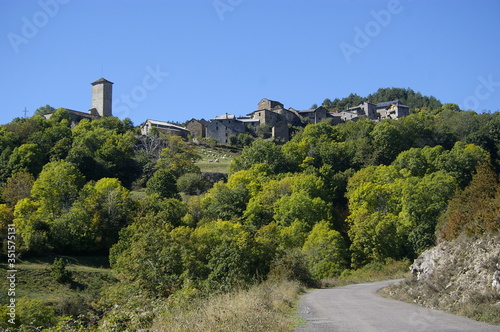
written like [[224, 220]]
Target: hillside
[[180, 228]]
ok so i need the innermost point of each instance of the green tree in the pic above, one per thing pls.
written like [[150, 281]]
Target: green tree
[[152, 253], [325, 251], [259, 152], [387, 143], [192, 183], [57, 188], [222, 202], [26, 158], [163, 183], [300, 206], [59, 272], [179, 157], [43, 110], [225, 250], [52, 196]]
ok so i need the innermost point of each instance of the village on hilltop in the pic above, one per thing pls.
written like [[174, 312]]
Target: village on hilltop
[[270, 115]]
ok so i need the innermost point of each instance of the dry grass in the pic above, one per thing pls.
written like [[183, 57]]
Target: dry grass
[[268, 306]]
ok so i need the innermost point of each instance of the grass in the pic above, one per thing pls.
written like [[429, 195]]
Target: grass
[[215, 160], [269, 306], [34, 280], [372, 272]]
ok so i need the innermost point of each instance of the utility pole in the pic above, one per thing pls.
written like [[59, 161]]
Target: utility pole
[[25, 112]]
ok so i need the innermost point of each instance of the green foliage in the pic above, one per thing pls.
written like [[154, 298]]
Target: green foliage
[[27, 158], [192, 183], [223, 202], [59, 272], [47, 109], [393, 215], [150, 251], [29, 314], [259, 152], [405, 96], [179, 157], [325, 251], [292, 265], [104, 148], [162, 183]]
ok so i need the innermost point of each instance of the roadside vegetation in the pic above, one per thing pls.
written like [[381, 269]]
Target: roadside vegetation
[[193, 243]]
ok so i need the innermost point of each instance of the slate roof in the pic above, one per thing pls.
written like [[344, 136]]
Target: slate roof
[[101, 80], [389, 103]]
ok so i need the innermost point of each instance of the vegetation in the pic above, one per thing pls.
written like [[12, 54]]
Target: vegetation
[[334, 203]]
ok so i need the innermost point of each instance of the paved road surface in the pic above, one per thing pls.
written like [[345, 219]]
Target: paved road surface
[[358, 308]]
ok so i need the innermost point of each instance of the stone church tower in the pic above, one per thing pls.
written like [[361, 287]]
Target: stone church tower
[[102, 97]]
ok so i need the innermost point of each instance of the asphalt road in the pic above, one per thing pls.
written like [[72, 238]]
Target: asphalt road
[[359, 308]]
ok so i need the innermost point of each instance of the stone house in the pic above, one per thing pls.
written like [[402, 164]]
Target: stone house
[[314, 115], [392, 110], [197, 128], [274, 115], [225, 126], [164, 127], [267, 104], [385, 110]]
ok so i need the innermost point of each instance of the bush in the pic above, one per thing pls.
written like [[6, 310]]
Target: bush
[[292, 266], [192, 184], [162, 183], [58, 271]]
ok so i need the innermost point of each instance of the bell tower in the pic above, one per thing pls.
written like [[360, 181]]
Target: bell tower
[[102, 96]]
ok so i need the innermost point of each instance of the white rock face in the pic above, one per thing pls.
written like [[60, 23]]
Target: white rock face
[[453, 272]]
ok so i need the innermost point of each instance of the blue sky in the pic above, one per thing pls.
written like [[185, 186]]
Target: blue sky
[[181, 59]]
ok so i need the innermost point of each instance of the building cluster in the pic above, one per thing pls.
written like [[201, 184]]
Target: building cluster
[[270, 117]]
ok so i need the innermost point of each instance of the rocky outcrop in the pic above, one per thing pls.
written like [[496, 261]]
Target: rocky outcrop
[[461, 276], [461, 268]]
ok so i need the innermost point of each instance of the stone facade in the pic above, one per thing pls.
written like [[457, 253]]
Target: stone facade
[[273, 115], [198, 128], [102, 96], [102, 99], [385, 110], [266, 104], [314, 115], [225, 126], [164, 127]]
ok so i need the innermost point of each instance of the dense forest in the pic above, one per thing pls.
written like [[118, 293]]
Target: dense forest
[[332, 199]]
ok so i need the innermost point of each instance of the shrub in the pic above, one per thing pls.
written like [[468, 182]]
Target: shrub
[[192, 184], [59, 272], [292, 265]]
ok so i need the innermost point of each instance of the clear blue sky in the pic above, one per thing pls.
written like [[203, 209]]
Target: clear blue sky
[[182, 59]]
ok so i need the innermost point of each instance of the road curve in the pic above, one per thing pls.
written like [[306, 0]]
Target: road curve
[[359, 308]]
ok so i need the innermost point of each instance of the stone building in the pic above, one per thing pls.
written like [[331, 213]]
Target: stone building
[[314, 115], [164, 127], [225, 126], [392, 110], [102, 97], [385, 110], [197, 128], [102, 100], [273, 115]]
